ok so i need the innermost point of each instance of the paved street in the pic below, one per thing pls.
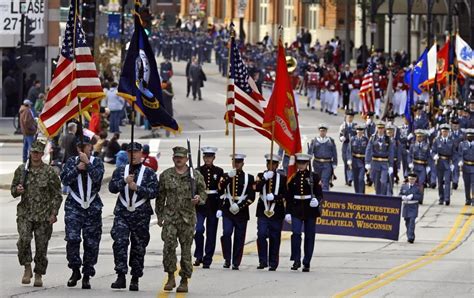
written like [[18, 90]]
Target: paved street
[[439, 264]]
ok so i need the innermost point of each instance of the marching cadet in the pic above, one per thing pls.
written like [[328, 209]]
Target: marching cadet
[[411, 197], [40, 189], [390, 130], [83, 211], [444, 155], [466, 163], [212, 175], [270, 213], [176, 213], [379, 156], [238, 194], [324, 151], [136, 185], [356, 158], [302, 208], [458, 136], [420, 121], [404, 130], [354, 86], [346, 132], [370, 126], [419, 157]]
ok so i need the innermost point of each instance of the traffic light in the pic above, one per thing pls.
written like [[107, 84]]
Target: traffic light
[[29, 27], [88, 21]]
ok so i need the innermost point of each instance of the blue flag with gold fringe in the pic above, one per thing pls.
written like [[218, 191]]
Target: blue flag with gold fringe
[[140, 82]]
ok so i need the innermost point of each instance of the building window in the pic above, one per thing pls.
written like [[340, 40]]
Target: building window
[[313, 13], [288, 13], [264, 11]]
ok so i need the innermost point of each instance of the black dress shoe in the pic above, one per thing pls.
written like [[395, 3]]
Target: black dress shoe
[[411, 240], [206, 266], [350, 183], [272, 269], [76, 275], [455, 186], [86, 285], [133, 284], [447, 203], [467, 203], [305, 269], [226, 264], [440, 203], [235, 267], [296, 265], [120, 283], [197, 262], [262, 266], [433, 185]]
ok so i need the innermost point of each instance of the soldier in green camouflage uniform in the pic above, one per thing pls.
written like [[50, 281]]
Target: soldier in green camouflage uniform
[[175, 209], [36, 212]]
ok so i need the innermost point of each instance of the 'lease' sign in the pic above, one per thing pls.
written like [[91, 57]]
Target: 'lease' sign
[[11, 11]]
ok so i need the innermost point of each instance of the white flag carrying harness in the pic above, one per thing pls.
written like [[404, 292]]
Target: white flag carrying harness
[[269, 206], [244, 190], [85, 202], [131, 205]]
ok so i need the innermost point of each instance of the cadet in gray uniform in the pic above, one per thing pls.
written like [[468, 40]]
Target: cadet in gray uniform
[[411, 196], [466, 163], [346, 131], [356, 158], [324, 151]]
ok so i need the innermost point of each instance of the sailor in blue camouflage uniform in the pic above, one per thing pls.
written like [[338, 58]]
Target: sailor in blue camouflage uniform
[[419, 158], [379, 156], [237, 191], [356, 158], [466, 163], [324, 151], [212, 175], [83, 212], [411, 194], [443, 152], [208, 43], [176, 46], [458, 136], [302, 209], [136, 185], [270, 213], [346, 132]]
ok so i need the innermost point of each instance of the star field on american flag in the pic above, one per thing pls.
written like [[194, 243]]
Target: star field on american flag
[[67, 49], [238, 70]]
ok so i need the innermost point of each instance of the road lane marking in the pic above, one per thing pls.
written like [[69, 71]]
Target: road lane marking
[[413, 265]]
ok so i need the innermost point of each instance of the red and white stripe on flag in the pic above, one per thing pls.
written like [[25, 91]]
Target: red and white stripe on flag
[[366, 93]]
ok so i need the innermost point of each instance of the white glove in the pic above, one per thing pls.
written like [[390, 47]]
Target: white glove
[[404, 198], [342, 138], [411, 166], [367, 166], [451, 167], [270, 197], [268, 175], [288, 218], [349, 162], [314, 203], [460, 164], [390, 170], [334, 167], [369, 121], [436, 157], [432, 130], [234, 208], [409, 197], [410, 136], [428, 169], [219, 213], [232, 173]]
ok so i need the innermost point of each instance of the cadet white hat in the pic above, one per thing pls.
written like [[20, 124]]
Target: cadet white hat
[[303, 156], [420, 132], [208, 150], [238, 156], [445, 126], [323, 126], [470, 131], [274, 157]]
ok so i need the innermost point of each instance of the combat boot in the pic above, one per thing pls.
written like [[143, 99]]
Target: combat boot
[[171, 283], [27, 275], [76, 275], [86, 285], [133, 284], [183, 286], [38, 281], [120, 283]]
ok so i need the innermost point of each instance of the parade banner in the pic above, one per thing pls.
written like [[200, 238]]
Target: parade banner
[[358, 215]]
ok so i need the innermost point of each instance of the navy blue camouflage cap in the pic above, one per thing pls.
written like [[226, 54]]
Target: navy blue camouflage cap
[[85, 141], [135, 146]]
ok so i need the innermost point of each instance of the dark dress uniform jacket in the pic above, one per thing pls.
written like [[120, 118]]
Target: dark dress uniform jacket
[[212, 175], [243, 214], [279, 199], [299, 186]]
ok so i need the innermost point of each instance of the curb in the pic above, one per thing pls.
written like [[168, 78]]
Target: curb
[[11, 141]]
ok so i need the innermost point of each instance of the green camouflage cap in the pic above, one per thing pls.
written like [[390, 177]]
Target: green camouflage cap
[[179, 151], [38, 146]]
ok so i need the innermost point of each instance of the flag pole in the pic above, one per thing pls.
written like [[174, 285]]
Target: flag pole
[[132, 128], [232, 38], [79, 103], [229, 46]]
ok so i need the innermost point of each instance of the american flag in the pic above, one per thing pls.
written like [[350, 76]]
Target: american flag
[[75, 75], [243, 98], [367, 91]]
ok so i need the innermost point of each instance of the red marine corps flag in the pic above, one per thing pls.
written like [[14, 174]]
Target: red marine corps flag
[[281, 117], [75, 86]]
